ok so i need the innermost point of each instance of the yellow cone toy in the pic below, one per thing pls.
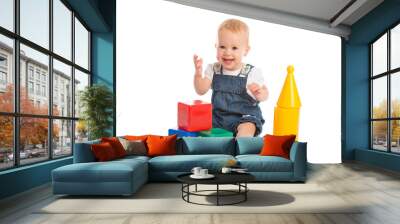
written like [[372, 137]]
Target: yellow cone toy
[[287, 110]]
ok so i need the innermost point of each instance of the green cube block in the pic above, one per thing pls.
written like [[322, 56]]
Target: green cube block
[[216, 132]]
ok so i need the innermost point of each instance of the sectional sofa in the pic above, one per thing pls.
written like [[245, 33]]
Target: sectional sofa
[[125, 176]]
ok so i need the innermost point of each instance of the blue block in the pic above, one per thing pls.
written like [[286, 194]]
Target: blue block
[[182, 133]]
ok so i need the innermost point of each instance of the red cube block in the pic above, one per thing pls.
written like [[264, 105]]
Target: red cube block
[[195, 116]]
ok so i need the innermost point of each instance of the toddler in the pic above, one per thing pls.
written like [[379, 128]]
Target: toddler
[[237, 87]]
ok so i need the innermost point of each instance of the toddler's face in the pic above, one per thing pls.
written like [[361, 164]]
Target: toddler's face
[[231, 48]]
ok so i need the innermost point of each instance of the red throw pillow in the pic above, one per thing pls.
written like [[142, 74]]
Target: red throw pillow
[[116, 145], [103, 151], [277, 145], [161, 145]]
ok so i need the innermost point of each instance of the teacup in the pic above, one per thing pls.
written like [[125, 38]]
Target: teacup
[[196, 170], [203, 172]]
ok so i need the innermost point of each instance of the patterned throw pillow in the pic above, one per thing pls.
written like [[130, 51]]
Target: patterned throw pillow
[[134, 147]]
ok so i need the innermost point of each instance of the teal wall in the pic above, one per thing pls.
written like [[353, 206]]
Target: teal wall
[[103, 52], [102, 58], [99, 15], [24, 178], [356, 125]]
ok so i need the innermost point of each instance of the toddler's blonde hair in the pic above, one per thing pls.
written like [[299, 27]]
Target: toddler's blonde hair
[[235, 26]]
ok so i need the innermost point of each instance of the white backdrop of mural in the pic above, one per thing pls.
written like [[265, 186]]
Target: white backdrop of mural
[[156, 41]]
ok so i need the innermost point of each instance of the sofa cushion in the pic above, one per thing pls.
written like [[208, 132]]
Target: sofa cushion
[[83, 152], [132, 158], [201, 145], [185, 163], [257, 163], [249, 145], [111, 171]]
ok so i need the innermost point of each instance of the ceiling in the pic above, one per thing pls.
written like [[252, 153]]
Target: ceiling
[[326, 16]]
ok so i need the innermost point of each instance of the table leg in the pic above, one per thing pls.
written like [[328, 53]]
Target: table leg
[[245, 193], [196, 188], [188, 190], [217, 194]]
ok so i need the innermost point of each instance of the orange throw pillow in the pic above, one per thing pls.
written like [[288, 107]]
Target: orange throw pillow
[[277, 145], [161, 145], [116, 145], [103, 152], [135, 138]]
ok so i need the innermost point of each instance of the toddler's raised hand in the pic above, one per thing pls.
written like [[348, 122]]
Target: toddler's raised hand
[[198, 65], [257, 90], [254, 88]]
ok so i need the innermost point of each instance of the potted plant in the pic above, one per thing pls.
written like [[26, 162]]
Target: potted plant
[[97, 106]]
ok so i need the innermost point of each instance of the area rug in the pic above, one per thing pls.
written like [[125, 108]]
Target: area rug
[[167, 198]]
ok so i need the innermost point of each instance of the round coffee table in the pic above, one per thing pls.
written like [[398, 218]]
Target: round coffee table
[[238, 179]]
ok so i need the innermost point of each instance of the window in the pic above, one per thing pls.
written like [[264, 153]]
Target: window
[[385, 92], [37, 75], [37, 89], [35, 21], [3, 78], [55, 94], [62, 137], [62, 29], [6, 142], [30, 87], [3, 61], [81, 45], [81, 81], [30, 72], [6, 73], [395, 47], [7, 14], [43, 77], [43, 90], [33, 149], [62, 75], [44, 131], [3, 72]]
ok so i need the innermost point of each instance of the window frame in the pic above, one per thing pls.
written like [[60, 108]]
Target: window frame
[[15, 72], [388, 74]]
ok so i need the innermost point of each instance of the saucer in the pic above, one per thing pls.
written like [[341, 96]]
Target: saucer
[[208, 176]]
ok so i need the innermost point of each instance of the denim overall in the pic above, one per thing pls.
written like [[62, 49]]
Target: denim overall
[[231, 103]]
